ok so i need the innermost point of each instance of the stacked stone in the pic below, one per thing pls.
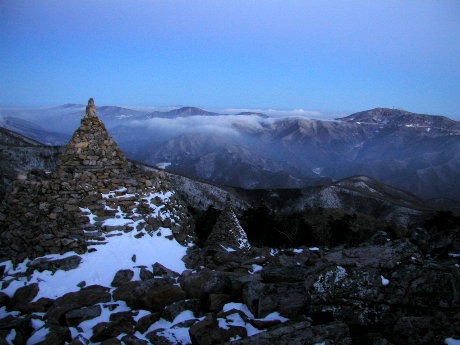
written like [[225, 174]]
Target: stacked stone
[[227, 232], [91, 152], [43, 214], [39, 217]]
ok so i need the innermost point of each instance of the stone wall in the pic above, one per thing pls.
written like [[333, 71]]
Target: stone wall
[[44, 212]]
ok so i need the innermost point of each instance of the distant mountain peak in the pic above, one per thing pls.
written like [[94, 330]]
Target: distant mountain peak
[[181, 112], [398, 118]]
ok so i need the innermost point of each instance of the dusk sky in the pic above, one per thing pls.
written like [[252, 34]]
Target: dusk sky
[[322, 55]]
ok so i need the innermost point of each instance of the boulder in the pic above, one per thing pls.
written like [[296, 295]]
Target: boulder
[[106, 330], [162, 271], [302, 333], [74, 300], [4, 299], [145, 274], [121, 277], [132, 340], [45, 264], [146, 321], [23, 296], [174, 309], [21, 325], [205, 282], [112, 341], [208, 332], [153, 294], [157, 338], [76, 316], [289, 274], [57, 335]]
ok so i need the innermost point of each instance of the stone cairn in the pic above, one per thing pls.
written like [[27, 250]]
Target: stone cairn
[[227, 232], [43, 213], [91, 153]]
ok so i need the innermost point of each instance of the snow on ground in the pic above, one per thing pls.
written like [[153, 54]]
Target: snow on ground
[[100, 266], [163, 165]]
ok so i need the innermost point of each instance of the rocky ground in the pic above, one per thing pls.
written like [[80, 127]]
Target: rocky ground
[[141, 288]]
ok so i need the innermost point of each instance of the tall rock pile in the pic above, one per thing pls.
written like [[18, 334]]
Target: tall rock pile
[[227, 232], [91, 151], [47, 212]]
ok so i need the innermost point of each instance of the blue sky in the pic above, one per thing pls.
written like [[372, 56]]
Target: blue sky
[[327, 55]]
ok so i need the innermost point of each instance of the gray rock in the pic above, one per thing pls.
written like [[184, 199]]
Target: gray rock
[[302, 333], [202, 283], [121, 277], [44, 264], [290, 274], [107, 330], [21, 325], [174, 309], [4, 299], [208, 332], [76, 316], [289, 299], [132, 340], [112, 341], [162, 271], [152, 294], [145, 274], [74, 300], [23, 296], [57, 335], [146, 321]]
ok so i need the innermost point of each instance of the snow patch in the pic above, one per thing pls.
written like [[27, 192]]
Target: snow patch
[[317, 171], [163, 165], [385, 281]]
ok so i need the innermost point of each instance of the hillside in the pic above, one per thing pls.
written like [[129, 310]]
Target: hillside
[[102, 250]]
